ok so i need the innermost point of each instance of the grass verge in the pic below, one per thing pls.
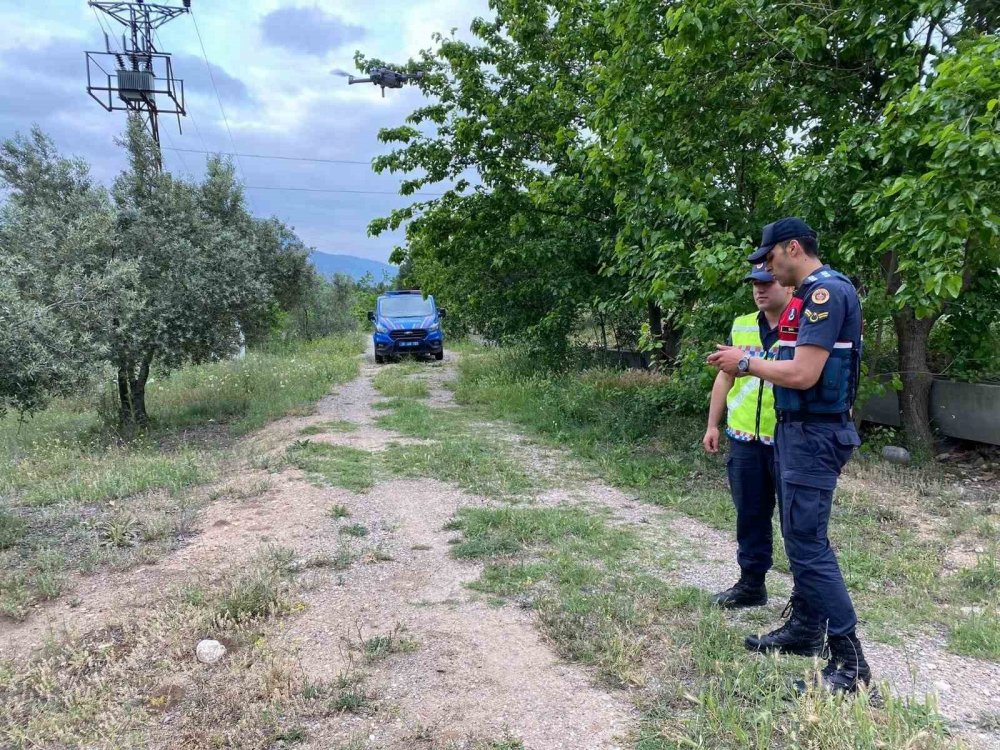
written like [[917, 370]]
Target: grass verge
[[604, 602], [74, 496], [139, 683], [892, 526]]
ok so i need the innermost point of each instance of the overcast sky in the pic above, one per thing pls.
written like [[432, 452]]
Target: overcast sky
[[271, 60]]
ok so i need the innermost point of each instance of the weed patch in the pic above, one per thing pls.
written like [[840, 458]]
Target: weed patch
[[978, 634], [694, 682], [338, 465], [139, 685], [395, 381]]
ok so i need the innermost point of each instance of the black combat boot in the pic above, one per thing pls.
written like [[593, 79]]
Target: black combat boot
[[749, 591], [797, 636], [847, 669]]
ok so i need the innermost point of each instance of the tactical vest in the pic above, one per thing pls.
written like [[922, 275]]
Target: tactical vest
[[750, 402], [837, 387]]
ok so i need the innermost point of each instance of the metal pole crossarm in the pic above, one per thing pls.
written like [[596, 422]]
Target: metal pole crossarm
[[155, 14], [135, 81]]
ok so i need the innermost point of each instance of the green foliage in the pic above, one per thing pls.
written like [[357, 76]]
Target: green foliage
[[159, 273], [625, 166], [336, 464], [325, 308]]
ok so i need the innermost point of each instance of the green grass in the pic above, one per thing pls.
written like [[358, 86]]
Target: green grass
[[382, 645], [977, 634], [416, 419], [70, 482], [337, 425], [354, 529], [395, 381], [338, 465], [633, 429], [477, 465], [603, 601], [247, 393], [339, 511], [982, 582]]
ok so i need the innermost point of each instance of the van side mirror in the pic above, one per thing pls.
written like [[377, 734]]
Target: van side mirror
[[371, 316], [442, 313]]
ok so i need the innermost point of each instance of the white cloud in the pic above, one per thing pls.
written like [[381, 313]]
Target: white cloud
[[278, 101]]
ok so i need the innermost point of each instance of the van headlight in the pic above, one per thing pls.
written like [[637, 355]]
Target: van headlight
[[379, 328], [434, 327]]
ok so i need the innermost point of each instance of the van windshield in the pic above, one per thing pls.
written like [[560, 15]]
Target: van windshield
[[406, 306]]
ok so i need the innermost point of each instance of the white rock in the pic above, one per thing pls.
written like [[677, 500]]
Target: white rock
[[209, 651], [942, 687]]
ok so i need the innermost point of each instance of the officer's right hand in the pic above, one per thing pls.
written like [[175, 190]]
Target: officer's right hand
[[711, 440]]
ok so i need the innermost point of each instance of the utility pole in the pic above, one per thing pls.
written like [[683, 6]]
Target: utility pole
[[134, 84]]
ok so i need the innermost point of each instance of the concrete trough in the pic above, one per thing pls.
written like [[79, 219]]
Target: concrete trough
[[970, 411]]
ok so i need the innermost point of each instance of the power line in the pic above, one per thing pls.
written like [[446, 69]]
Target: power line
[[180, 156], [341, 190], [218, 98], [274, 156], [187, 112]]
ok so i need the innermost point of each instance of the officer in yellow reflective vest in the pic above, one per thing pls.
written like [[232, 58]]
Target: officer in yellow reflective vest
[[750, 426]]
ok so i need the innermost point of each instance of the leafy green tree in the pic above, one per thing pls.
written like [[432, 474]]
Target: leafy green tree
[[516, 248], [165, 272], [324, 308], [58, 288], [906, 181]]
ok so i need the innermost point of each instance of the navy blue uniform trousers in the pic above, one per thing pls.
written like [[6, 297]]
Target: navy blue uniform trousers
[[753, 484], [810, 457]]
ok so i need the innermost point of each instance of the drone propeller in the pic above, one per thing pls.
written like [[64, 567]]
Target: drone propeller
[[340, 72]]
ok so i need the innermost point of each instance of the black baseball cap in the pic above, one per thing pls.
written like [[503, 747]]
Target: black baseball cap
[[789, 228], [759, 273]]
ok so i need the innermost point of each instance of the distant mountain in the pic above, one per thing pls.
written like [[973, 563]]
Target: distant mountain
[[350, 265]]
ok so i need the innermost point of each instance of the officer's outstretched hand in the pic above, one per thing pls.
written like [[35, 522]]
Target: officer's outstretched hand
[[711, 440], [726, 358]]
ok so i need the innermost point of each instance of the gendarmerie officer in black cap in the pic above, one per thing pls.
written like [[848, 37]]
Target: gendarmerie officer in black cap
[[815, 381]]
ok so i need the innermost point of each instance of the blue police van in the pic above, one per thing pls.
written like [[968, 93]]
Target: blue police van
[[407, 322]]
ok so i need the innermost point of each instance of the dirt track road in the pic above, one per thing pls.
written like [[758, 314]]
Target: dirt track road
[[473, 671]]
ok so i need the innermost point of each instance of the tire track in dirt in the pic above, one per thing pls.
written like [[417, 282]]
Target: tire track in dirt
[[477, 671]]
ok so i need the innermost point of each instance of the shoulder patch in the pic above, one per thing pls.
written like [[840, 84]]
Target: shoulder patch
[[820, 297], [815, 317]]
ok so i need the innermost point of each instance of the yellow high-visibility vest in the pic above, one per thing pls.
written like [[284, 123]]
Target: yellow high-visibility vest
[[750, 402]]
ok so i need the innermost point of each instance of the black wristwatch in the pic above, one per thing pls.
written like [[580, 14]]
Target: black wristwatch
[[743, 366]]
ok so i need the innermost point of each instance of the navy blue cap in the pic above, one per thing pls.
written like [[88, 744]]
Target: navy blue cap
[[789, 228], [759, 273]]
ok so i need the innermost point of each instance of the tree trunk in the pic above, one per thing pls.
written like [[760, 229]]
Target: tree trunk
[[124, 396], [671, 337], [132, 392], [914, 401], [655, 316], [666, 334]]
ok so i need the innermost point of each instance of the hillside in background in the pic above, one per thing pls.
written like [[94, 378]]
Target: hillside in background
[[350, 265]]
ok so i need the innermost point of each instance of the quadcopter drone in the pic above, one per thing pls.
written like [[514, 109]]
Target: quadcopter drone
[[384, 77]]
